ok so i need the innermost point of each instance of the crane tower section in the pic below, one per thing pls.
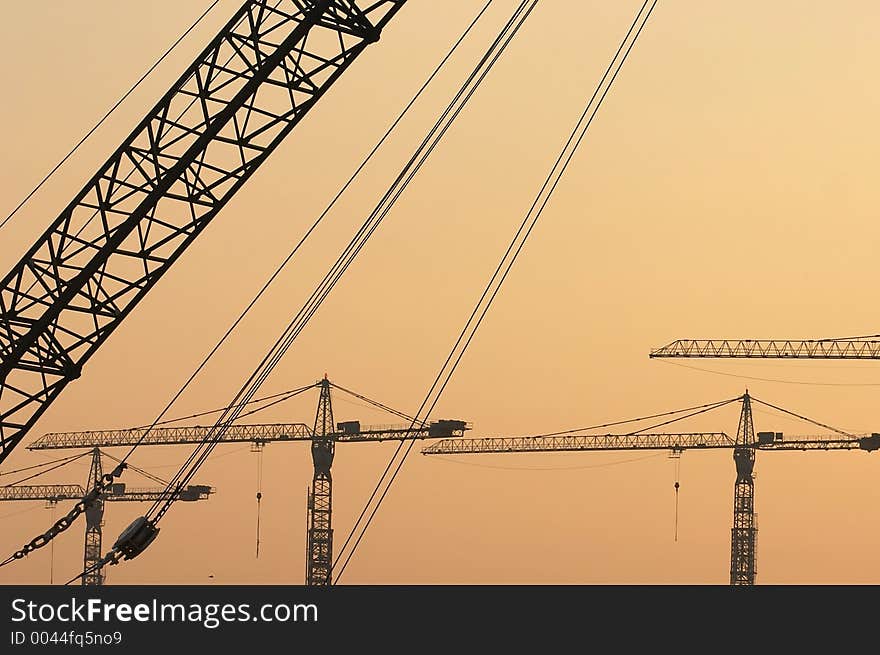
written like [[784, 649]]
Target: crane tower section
[[252, 84]]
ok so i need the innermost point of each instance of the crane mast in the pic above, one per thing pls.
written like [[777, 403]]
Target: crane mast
[[319, 540], [254, 82], [744, 533], [93, 576]]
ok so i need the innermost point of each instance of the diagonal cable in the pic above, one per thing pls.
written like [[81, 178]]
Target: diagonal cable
[[510, 257], [107, 115]]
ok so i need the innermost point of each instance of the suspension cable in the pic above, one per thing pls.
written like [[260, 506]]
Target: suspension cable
[[808, 420], [107, 115], [639, 419], [35, 466], [317, 222], [308, 233], [686, 416], [510, 257], [349, 254], [374, 403], [510, 29], [179, 419], [259, 492], [202, 451], [275, 402], [677, 456], [65, 462], [146, 474], [762, 379], [867, 336], [143, 157], [103, 484]]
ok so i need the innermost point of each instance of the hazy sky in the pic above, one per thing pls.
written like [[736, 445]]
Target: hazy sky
[[726, 189]]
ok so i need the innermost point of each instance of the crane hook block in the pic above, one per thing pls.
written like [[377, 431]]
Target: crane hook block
[[136, 537]]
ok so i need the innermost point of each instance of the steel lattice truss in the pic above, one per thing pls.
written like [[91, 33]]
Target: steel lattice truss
[[772, 349], [254, 433], [744, 533], [171, 436], [319, 539], [47, 492], [93, 575], [646, 441], [62, 492], [659, 441], [228, 111]]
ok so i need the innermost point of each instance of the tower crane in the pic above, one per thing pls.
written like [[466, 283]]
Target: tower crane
[[118, 492], [229, 110], [849, 348], [323, 437], [743, 551]]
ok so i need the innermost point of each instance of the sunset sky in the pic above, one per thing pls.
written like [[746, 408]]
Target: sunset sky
[[726, 190]]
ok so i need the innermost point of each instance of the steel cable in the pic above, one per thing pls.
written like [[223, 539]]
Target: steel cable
[[107, 115], [497, 281], [349, 254]]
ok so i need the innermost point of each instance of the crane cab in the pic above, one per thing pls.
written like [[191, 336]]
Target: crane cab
[[769, 438]]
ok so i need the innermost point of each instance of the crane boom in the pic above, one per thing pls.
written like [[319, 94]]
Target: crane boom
[[255, 81], [117, 493], [646, 441], [349, 431], [772, 349], [654, 441], [47, 492]]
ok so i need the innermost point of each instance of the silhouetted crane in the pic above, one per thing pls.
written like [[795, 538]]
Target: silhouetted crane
[[743, 551], [323, 437], [56, 493]]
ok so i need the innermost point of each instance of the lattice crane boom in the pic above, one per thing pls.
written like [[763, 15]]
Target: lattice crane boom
[[49, 492], [859, 348], [56, 493], [348, 431], [255, 81], [647, 441]]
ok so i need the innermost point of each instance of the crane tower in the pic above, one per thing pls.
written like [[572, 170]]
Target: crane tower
[[323, 436]]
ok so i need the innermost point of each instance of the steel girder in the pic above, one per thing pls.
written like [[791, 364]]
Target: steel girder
[[201, 142]]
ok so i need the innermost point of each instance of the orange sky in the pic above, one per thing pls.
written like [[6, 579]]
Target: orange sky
[[726, 189]]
